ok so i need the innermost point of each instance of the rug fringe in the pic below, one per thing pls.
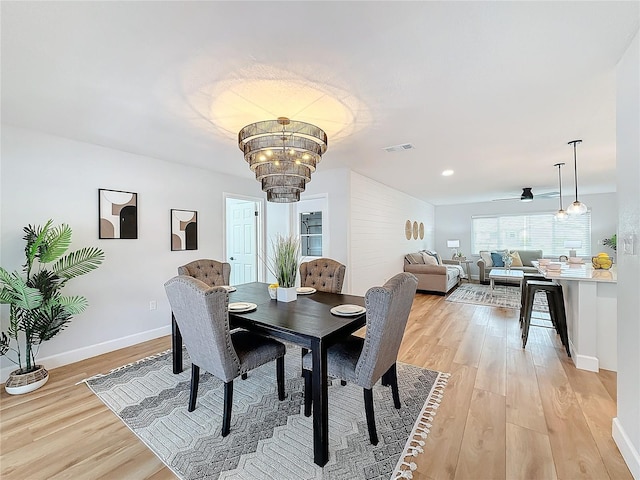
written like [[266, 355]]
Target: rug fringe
[[421, 429], [137, 362]]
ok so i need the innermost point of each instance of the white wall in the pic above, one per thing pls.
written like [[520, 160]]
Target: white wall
[[46, 177], [454, 221], [377, 243], [335, 184], [626, 426]]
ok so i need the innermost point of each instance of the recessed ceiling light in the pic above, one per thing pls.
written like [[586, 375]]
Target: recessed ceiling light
[[447, 173]]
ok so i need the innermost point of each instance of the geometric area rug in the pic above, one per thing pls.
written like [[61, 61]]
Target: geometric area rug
[[502, 296], [270, 439]]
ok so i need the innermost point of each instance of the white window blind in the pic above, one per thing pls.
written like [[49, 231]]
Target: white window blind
[[539, 231]]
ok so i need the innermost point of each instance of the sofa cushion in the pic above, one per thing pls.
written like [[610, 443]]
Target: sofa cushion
[[486, 258], [496, 258], [429, 259], [515, 259], [528, 256]]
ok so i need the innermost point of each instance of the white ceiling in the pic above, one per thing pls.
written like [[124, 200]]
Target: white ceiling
[[492, 90]]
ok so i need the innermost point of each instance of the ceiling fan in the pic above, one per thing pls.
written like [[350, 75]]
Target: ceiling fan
[[527, 195]]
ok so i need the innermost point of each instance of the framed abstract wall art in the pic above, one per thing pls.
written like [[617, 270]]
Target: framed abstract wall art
[[117, 214], [184, 229]]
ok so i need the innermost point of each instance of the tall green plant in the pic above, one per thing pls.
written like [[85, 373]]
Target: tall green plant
[[285, 254], [37, 309]]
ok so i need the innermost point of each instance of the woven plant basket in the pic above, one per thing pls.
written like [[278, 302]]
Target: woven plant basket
[[19, 383]]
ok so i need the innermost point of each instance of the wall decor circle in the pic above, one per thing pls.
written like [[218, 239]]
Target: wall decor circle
[[421, 231], [415, 230], [407, 229]]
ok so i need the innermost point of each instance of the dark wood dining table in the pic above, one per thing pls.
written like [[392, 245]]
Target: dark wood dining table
[[307, 322]]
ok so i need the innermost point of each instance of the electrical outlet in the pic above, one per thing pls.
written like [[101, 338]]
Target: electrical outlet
[[153, 305]]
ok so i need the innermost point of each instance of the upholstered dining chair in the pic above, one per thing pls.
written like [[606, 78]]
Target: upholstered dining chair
[[364, 361], [323, 274], [211, 272], [203, 317]]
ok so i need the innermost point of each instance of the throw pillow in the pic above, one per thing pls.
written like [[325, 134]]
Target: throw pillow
[[486, 256], [429, 259], [515, 259], [414, 258], [496, 257], [435, 255]]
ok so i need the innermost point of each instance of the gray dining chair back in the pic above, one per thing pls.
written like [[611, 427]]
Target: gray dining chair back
[[388, 309], [202, 314], [365, 361], [211, 272], [323, 274]]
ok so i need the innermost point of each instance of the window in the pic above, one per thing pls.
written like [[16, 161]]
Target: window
[[531, 232]]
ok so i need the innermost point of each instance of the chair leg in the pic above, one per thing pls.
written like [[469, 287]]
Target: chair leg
[[193, 393], [526, 321], [553, 312], [303, 352], [562, 321], [228, 402], [280, 377], [307, 392], [371, 419], [390, 378]]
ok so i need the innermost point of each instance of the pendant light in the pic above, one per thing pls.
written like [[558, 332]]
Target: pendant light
[[560, 215], [577, 207]]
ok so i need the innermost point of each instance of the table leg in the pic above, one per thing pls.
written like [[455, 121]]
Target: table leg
[[320, 404], [176, 345], [493, 283]]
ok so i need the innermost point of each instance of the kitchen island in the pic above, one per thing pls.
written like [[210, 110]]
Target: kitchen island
[[590, 298]]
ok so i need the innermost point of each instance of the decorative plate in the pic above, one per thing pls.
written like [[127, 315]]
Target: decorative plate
[[305, 290], [237, 307], [348, 310]]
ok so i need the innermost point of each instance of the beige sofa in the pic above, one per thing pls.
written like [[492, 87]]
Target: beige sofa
[[438, 277], [485, 264]]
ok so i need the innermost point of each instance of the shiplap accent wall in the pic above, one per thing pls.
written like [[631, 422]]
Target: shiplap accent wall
[[377, 243]]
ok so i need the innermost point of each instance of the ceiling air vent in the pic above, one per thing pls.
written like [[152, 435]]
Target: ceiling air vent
[[399, 148]]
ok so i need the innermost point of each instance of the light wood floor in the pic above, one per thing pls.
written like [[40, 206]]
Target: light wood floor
[[506, 413]]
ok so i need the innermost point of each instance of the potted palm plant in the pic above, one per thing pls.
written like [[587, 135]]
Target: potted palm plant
[[284, 265], [37, 309]]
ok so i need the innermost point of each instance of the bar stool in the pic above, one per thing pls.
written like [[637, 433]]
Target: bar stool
[[523, 291], [555, 298]]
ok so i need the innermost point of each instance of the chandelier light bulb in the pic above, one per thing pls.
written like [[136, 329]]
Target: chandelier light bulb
[[577, 208], [561, 215]]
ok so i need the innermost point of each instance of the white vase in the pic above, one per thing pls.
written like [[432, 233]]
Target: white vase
[[18, 383], [287, 294]]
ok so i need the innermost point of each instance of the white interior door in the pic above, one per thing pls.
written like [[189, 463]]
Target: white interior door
[[242, 240]]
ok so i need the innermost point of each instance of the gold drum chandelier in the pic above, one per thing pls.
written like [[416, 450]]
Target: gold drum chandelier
[[283, 154]]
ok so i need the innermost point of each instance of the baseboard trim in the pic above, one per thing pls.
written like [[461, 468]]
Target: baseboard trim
[[584, 362], [65, 358], [629, 453]]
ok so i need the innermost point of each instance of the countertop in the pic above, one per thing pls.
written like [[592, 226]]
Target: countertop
[[581, 272]]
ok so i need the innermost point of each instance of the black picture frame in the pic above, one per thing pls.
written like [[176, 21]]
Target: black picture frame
[[117, 214], [184, 229]]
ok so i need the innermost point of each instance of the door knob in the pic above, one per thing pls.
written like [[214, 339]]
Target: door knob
[[232, 258]]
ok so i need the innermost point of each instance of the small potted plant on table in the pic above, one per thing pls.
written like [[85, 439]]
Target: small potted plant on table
[[37, 309], [284, 266]]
